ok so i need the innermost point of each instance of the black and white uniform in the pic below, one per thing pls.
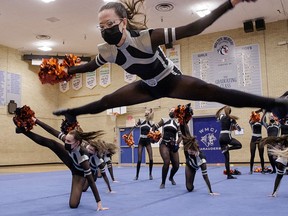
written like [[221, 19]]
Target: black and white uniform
[[107, 157], [284, 126], [78, 155], [195, 161], [170, 130], [95, 160], [272, 129], [227, 125], [256, 131], [145, 128], [136, 56]]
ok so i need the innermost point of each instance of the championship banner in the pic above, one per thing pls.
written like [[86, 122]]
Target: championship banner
[[3, 88], [174, 55], [13, 88], [230, 67], [64, 86], [91, 81], [105, 75], [77, 81], [129, 78]]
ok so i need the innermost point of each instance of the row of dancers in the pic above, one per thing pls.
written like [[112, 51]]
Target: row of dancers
[[84, 153], [137, 49]]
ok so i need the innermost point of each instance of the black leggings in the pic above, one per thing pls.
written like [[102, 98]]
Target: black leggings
[[148, 146], [78, 178], [232, 144], [174, 86], [167, 156], [253, 143]]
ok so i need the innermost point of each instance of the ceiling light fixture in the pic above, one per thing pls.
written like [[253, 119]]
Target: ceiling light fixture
[[43, 37], [45, 48], [203, 12], [164, 7], [47, 1]]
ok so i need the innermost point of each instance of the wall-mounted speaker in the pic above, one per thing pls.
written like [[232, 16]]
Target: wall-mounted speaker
[[12, 106], [248, 26], [260, 24]]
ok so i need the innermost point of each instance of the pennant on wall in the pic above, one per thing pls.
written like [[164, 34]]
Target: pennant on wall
[[129, 78], [77, 81], [91, 81], [64, 86], [105, 75]]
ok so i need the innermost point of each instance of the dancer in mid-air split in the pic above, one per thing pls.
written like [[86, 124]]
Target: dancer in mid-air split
[[134, 47]]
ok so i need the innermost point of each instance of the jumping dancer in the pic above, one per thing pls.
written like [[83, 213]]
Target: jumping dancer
[[72, 155], [273, 128], [169, 146], [227, 143], [256, 126], [144, 141], [136, 49]]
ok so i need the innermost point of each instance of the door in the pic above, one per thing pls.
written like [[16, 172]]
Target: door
[[130, 154]]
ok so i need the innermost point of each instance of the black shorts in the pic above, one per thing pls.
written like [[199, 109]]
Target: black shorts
[[144, 141], [164, 87]]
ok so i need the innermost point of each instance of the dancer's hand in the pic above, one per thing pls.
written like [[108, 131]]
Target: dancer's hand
[[234, 2], [100, 208], [214, 194], [273, 195]]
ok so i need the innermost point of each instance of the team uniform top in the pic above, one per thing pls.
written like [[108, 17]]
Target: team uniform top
[[95, 160], [195, 161], [170, 129], [78, 155], [227, 123], [145, 127], [272, 129], [136, 56], [284, 126], [256, 128]]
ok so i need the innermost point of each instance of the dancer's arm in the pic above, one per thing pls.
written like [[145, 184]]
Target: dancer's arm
[[88, 174], [83, 68], [158, 125], [206, 179], [48, 128], [158, 35]]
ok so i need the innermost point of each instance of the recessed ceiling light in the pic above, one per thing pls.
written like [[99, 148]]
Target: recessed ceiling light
[[164, 7], [43, 37], [203, 12], [47, 1], [45, 48]]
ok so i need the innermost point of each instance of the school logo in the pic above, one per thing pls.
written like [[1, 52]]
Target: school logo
[[223, 44], [208, 137], [223, 50]]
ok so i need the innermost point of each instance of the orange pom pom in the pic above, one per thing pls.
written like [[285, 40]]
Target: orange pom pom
[[154, 135], [23, 118], [52, 72], [128, 138]]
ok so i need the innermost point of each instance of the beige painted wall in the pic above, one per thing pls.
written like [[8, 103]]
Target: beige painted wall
[[43, 99]]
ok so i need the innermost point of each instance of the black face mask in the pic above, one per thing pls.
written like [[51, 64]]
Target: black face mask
[[68, 147], [112, 35]]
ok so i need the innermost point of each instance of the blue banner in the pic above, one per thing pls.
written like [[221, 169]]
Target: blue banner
[[207, 132]]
